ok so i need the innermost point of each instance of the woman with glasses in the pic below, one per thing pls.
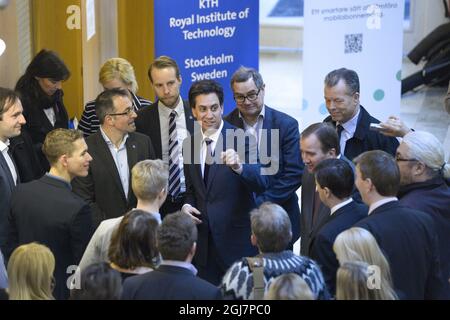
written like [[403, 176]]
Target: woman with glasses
[[115, 73]]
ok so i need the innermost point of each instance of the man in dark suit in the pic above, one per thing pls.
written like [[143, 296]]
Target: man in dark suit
[[351, 120], [335, 181], [318, 142], [48, 212], [407, 236], [169, 117], [11, 122], [115, 149], [277, 136], [175, 278], [219, 187]]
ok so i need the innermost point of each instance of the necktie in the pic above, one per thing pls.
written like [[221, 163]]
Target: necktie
[[208, 160], [339, 129], [316, 207], [174, 156]]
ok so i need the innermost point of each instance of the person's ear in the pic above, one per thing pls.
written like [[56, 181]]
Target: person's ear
[[253, 239]]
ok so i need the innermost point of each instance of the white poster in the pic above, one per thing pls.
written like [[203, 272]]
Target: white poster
[[90, 19], [362, 35]]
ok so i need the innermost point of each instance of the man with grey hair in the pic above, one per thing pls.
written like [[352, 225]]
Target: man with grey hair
[[277, 136], [352, 121], [271, 233], [149, 180], [424, 185]]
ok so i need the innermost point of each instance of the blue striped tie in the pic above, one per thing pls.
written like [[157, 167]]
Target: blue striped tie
[[174, 156]]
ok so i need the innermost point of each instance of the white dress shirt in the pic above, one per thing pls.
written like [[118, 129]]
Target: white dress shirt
[[340, 205], [256, 128], [349, 130], [214, 137], [120, 157], [164, 114], [4, 147]]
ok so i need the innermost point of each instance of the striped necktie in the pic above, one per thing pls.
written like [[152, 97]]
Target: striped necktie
[[174, 156]]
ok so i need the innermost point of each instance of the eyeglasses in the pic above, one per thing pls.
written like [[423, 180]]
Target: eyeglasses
[[250, 97], [128, 112]]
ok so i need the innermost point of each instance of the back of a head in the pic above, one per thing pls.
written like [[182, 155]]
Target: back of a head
[[289, 286], [60, 142], [336, 175], [427, 149], [133, 243], [272, 227], [355, 280], [380, 167], [30, 273], [326, 134], [176, 236], [149, 178], [98, 282]]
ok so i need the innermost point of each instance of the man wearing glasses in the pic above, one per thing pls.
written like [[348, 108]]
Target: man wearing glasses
[[277, 135], [115, 149]]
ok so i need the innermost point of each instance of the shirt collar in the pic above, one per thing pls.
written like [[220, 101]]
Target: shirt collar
[[166, 111], [215, 136], [181, 264], [340, 205], [109, 142], [261, 115], [4, 145], [379, 203], [350, 125], [59, 179]]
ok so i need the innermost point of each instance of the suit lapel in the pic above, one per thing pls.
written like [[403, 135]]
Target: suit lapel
[[188, 117], [7, 172], [155, 129], [107, 159], [132, 156]]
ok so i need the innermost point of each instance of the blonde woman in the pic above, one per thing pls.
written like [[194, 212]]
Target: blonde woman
[[289, 286], [30, 273], [115, 73], [358, 244], [354, 283]]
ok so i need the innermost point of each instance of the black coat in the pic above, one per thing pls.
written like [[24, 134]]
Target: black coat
[[408, 239], [365, 139], [48, 212]]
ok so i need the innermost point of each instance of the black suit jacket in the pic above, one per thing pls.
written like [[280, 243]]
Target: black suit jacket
[[102, 187], [365, 139], [47, 211], [147, 122], [169, 283], [283, 183], [225, 202], [6, 188], [322, 243], [409, 240]]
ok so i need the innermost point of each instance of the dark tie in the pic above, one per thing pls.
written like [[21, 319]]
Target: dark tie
[[339, 129], [174, 156], [14, 163], [208, 160], [316, 207]]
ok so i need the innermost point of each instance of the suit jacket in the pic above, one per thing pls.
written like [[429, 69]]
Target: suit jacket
[[409, 241], [169, 283], [307, 229], [48, 212], [321, 245], [102, 188], [365, 139], [284, 183], [226, 200], [6, 188], [147, 122]]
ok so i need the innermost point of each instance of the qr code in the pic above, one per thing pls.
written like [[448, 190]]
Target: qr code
[[353, 43]]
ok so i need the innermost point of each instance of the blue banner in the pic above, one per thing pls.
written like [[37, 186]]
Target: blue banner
[[209, 39]]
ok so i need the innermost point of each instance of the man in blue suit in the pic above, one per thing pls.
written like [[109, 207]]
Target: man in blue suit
[[220, 187], [277, 135], [408, 237]]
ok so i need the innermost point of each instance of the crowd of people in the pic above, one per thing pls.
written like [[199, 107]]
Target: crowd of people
[[175, 200]]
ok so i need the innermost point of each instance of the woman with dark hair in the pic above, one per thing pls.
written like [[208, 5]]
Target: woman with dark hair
[[98, 282], [133, 244], [42, 98]]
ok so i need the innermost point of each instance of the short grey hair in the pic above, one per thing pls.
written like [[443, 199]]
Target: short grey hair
[[350, 78], [272, 227], [149, 178], [243, 74], [427, 149]]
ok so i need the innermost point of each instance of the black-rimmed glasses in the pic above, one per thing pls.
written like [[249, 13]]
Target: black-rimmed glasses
[[250, 97], [128, 112]]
